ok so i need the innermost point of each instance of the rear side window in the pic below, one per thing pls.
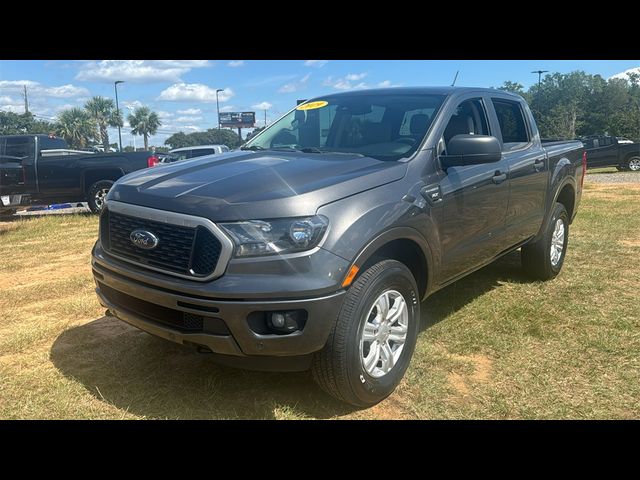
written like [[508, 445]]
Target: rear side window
[[512, 124], [18, 148], [201, 152]]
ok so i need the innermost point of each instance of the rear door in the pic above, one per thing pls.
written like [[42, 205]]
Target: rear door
[[602, 152], [528, 169], [474, 197]]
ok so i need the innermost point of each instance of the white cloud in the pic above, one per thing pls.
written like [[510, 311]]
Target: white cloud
[[190, 111], [7, 99], [193, 92], [14, 108], [625, 75], [133, 105], [315, 63], [387, 83], [262, 106], [36, 89], [138, 71], [236, 63], [163, 114], [345, 83], [354, 77], [228, 108], [295, 86], [188, 119]]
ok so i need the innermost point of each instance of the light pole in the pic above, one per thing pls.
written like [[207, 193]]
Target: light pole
[[115, 86], [539, 72], [218, 105]]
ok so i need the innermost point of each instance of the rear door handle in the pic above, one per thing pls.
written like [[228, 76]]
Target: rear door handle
[[499, 177], [539, 164]]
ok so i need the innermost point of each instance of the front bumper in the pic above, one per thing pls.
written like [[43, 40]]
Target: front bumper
[[239, 341]]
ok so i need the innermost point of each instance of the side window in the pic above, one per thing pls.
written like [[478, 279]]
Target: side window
[[470, 117], [19, 147], [606, 141], [201, 152], [512, 124]]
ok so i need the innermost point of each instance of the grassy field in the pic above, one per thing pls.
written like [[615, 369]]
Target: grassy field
[[494, 345]]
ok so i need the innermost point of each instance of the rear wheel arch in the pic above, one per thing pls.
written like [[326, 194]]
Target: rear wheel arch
[[567, 197], [90, 177]]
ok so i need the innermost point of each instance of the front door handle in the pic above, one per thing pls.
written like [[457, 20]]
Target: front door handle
[[539, 164], [499, 177]]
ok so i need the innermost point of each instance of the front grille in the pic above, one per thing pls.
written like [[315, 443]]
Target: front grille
[[185, 250], [182, 321]]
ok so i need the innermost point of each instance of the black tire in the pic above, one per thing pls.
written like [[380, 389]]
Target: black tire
[[536, 257], [8, 213], [94, 201], [338, 368], [633, 164], [621, 168]]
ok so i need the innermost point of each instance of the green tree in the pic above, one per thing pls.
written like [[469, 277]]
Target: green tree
[[213, 136], [179, 140], [77, 127], [23, 123], [144, 122], [103, 111], [514, 87], [254, 133]]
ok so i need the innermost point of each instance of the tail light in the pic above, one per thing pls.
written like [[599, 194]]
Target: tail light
[[152, 161], [584, 167]]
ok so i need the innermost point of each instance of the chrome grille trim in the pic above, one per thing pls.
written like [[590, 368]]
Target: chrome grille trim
[[180, 219]]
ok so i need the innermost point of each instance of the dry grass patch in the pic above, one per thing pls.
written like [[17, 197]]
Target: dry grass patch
[[493, 345]]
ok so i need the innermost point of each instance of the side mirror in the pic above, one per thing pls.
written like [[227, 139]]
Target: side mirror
[[471, 150]]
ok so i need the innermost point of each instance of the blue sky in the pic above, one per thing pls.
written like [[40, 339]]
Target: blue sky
[[183, 91]]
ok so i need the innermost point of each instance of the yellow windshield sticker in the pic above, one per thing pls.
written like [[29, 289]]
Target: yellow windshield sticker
[[312, 105]]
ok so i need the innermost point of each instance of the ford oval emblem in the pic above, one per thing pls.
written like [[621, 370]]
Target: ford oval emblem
[[143, 239]]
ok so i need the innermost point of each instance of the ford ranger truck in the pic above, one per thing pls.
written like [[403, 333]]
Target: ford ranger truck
[[313, 246]]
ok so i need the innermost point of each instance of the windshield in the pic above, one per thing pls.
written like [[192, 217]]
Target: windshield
[[383, 126]]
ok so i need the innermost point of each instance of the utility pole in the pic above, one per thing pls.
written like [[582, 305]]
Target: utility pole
[[539, 72], [26, 100], [115, 86], [218, 105], [265, 117]]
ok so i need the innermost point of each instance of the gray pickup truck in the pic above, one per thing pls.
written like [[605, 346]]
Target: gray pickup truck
[[313, 246]]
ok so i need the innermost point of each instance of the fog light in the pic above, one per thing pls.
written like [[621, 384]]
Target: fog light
[[277, 320], [286, 322]]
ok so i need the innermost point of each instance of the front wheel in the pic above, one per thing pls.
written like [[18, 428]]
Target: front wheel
[[633, 164], [97, 195], [372, 341], [544, 259]]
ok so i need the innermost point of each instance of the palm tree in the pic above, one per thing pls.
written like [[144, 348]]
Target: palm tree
[[103, 110], [77, 127], [144, 122]]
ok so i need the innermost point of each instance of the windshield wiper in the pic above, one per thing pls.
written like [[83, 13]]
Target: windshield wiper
[[253, 148], [294, 149]]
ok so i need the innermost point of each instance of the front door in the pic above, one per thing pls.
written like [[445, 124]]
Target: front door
[[474, 199]]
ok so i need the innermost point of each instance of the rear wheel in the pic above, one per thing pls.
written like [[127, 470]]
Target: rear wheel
[[8, 213], [633, 164], [544, 259], [97, 195], [372, 341]]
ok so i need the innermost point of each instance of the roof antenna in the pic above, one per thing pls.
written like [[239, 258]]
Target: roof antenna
[[455, 78]]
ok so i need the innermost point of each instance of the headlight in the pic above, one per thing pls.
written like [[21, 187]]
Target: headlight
[[269, 237]]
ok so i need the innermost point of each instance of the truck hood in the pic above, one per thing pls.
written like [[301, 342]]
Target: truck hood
[[243, 185]]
